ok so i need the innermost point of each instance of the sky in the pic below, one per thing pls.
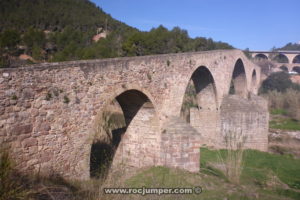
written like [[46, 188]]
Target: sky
[[253, 24]]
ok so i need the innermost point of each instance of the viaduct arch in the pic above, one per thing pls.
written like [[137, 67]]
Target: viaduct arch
[[288, 59], [51, 110]]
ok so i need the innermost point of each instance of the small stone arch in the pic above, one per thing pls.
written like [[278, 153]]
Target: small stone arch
[[296, 69], [281, 58], [284, 68], [296, 59], [120, 121], [261, 56], [238, 84]]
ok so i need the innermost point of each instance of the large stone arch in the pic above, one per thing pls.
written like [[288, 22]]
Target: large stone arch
[[260, 56], [239, 79], [281, 58], [296, 59], [135, 144], [200, 101]]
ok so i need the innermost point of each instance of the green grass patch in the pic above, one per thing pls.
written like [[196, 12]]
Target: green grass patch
[[279, 112], [259, 166], [285, 124]]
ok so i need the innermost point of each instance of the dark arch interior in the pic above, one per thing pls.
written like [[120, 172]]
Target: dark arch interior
[[296, 69], [281, 58], [238, 82], [200, 93], [254, 79], [117, 119], [296, 59], [284, 68], [261, 56]]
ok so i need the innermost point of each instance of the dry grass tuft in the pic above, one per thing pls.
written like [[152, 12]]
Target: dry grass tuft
[[231, 161]]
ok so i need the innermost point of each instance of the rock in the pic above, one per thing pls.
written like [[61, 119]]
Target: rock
[[29, 142], [22, 129]]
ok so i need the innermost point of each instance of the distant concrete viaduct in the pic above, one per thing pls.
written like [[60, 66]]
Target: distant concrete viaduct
[[49, 113], [285, 60]]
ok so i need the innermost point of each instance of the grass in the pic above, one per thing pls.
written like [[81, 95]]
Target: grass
[[263, 176], [258, 164], [279, 112], [285, 124], [11, 186]]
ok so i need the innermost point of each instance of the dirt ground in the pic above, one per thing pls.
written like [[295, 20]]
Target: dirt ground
[[285, 142], [296, 79]]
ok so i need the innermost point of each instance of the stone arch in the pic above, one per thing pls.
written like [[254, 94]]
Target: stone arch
[[284, 68], [238, 80], [296, 69], [200, 102], [254, 81], [261, 56], [281, 58], [296, 59], [125, 141]]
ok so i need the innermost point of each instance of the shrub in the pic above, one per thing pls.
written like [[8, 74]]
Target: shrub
[[66, 99], [10, 185], [287, 103], [279, 81]]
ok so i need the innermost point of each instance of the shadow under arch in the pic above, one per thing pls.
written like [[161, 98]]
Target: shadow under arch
[[125, 112], [284, 68], [281, 58], [199, 106], [253, 81], [261, 56], [296, 69], [238, 84], [296, 59]]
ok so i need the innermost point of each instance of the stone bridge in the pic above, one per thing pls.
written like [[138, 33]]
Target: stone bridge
[[286, 60], [51, 113]]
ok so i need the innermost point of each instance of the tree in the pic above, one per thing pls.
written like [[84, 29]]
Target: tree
[[279, 81], [34, 38], [247, 53], [9, 39]]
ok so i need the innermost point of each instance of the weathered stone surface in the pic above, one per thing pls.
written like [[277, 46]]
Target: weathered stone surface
[[29, 142], [22, 129], [51, 109]]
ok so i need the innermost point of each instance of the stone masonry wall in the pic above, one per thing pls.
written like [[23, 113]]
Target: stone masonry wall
[[180, 145], [246, 120]]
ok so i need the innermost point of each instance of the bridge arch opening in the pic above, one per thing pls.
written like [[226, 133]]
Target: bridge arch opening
[[296, 59], [284, 68], [261, 56], [199, 107], [296, 69], [119, 137], [281, 58], [238, 84], [253, 81]]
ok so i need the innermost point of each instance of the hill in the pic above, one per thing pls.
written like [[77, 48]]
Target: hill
[[61, 30], [290, 47]]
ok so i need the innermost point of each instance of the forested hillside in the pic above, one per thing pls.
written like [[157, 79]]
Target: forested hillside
[[59, 30], [290, 47]]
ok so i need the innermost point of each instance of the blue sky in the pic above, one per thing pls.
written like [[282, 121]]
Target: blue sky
[[256, 24]]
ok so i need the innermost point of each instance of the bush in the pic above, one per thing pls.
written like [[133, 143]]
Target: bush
[[279, 81], [10, 184], [287, 103]]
